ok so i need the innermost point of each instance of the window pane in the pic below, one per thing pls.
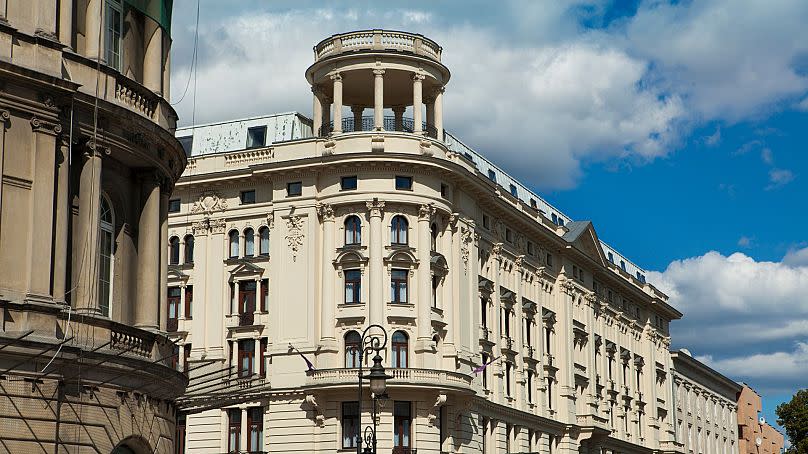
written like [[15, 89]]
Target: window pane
[[249, 242], [264, 233], [256, 136], [347, 183]]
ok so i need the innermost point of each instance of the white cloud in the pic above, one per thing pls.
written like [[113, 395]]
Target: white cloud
[[714, 138], [747, 316], [803, 105], [779, 178], [766, 156], [745, 241], [796, 257]]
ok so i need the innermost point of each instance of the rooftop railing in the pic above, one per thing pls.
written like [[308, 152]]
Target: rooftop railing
[[379, 40], [390, 124]]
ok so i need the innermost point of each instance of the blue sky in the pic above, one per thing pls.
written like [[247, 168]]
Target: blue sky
[[677, 127]]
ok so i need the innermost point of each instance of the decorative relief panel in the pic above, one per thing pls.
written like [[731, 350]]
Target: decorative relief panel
[[295, 234]]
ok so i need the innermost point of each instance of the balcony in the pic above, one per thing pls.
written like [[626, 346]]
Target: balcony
[[426, 378], [391, 123], [377, 40], [404, 450]]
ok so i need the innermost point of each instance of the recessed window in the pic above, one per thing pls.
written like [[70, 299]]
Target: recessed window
[[554, 218], [294, 189], [492, 175], [114, 23], [610, 256], [398, 286], [350, 424], [403, 183], [534, 204], [187, 143], [486, 222], [508, 235], [348, 183], [444, 190], [549, 260], [398, 230], [257, 137], [353, 286], [174, 206], [353, 230], [530, 248], [513, 190], [561, 221], [640, 277], [623, 265], [247, 197]]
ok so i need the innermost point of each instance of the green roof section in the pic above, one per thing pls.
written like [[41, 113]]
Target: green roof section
[[158, 10]]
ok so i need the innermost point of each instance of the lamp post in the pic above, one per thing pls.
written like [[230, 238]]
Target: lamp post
[[372, 341]]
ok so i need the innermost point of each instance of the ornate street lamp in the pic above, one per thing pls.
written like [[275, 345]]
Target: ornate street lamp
[[374, 341]]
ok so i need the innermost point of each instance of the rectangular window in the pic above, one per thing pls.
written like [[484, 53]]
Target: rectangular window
[[484, 312], [179, 439], [554, 218], [353, 286], [174, 294], [187, 143], [246, 356], [530, 248], [403, 183], [255, 429], [294, 189], [492, 175], [348, 183], [534, 204], [549, 260], [508, 368], [486, 222], [402, 422], [262, 367], [234, 430], [623, 265], [508, 235], [513, 190], [174, 206], [610, 256], [247, 197], [114, 25], [350, 424], [398, 286], [444, 190], [189, 302], [256, 137], [264, 294]]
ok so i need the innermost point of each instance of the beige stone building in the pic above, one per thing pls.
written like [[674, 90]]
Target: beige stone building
[[288, 235], [706, 409], [88, 159], [755, 434]]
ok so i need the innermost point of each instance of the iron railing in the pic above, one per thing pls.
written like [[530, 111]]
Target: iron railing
[[246, 319], [172, 325], [349, 124]]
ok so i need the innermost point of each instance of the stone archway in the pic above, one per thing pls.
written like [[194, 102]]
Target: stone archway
[[132, 445]]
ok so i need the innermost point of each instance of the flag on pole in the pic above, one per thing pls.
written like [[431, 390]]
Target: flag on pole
[[482, 367], [309, 365]]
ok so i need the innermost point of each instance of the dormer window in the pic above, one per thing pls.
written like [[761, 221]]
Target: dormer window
[[513, 190], [492, 175], [257, 137]]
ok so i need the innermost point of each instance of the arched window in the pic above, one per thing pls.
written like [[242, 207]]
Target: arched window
[[233, 244], [249, 242], [174, 251], [189, 249], [353, 348], [433, 230], [105, 242], [398, 230], [353, 230], [399, 342], [263, 247]]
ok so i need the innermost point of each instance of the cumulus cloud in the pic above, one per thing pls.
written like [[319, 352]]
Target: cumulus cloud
[[779, 178], [796, 257], [744, 315]]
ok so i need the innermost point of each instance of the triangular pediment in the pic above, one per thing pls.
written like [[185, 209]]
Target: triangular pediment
[[245, 267], [582, 236]]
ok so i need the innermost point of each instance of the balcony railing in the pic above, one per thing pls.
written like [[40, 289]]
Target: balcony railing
[[363, 40], [390, 124], [171, 325], [403, 450], [401, 376], [246, 319]]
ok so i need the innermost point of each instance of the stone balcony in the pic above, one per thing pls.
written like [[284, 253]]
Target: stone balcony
[[377, 40], [404, 377]]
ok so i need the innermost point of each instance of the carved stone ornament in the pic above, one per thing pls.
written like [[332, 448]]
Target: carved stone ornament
[[209, 203], [270, 219], [466, 238], [425, 212], [319, 418], [435, 410], [496, 251], [325, 211], [295, 234], [568, 287], [375, 208]]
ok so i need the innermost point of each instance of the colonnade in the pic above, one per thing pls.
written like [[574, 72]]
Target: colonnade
[[323, 106]]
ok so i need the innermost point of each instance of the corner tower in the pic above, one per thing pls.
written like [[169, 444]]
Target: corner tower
[[381, 71]]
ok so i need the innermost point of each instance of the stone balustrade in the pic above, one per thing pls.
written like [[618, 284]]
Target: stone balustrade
[[401, 377], [369, 40]]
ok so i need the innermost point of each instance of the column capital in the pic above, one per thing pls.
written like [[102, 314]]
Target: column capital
[[425, 212], [317, 90], [93, 149], [417, 77], [325, 211], [375, 208], [44, 126], [378, 72], [357, 109], [337, 76], [399, 109]]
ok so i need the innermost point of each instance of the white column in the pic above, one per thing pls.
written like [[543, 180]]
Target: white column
[[326, 113], [327, 317], [378, 99], [316, 111], [256, 356], [376, 278], [148, 255], [243, 443], [93, 30], [499, 368], [424, 281], [337, 78], [438, 108], [85, 266], [181, 313], [153, 57], [234, 306], [516, 331], [417, 103], [163, 282], [257, 298]]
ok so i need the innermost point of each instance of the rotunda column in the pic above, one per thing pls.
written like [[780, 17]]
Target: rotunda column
[[376, 303], [93, 23], [165, 192], [378, 99], [357, 117], [153, 57], [417, 103], [337, 78], [328, 310], [438, 108], [85, 263], [326, 114], [148, 255], [316, 111], [398, 115], [423, 345]]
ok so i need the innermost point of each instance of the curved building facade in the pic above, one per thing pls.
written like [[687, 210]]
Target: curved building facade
[[88, 160], [289, 236]]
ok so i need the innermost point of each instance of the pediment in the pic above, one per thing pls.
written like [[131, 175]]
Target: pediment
[[582, 236], [176, 274], [246, 268]]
